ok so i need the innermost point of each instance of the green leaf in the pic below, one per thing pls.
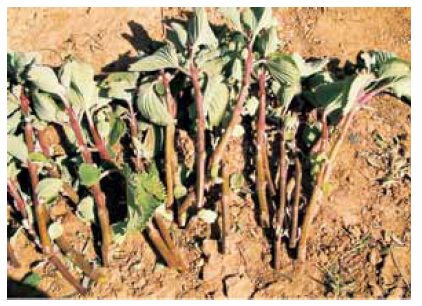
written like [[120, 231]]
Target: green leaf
[[45, 79], [256, 19], [152, 107], [178, 35], [287, 93], [78, 78], [86, 209], [16, 147], [117, 131], [232, 14], [214, 67], [163, 58], [48, 189], [309, 68], [19, 62], [199, 30], [33, 279], [283, 68], [237, 181], [46, 108], [216, 99], [119, 85], [89, 174], [55, 230], [38, 157], [208, 216], [268, 42], [13, 122], [394, 68]]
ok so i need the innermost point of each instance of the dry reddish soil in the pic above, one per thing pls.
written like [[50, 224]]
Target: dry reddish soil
[[361, 241]]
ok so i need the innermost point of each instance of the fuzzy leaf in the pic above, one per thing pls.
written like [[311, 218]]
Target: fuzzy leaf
[[17, 148], [55, 230], [283, 68], [45, 79], [48, 189], [163, 58], [89, 174], [216, 99], [152, 107], [199, 30]]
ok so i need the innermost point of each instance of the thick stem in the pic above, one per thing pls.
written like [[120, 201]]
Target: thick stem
[[317, 195], [79, 260], [161, 246], [200, 137], [170, 243], [12, 257], [269, 178], [104, 219], [53, 171], [225, 202], [295, 212], [261, 183], [99, 142], [168, 161], [237, 111], [279, 227], [99, 197]]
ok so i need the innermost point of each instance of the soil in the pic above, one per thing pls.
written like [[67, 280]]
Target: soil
[[361, 242]]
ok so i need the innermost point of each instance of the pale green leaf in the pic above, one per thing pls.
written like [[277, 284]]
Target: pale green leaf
[[38, 157], [46, 108], [152, 107], [163, 58], [45, 79], [216, 99], [48, 189], [178, 35], [199, 30], [55, 230], [33, 279], [208, 216], [283, 68], [232, 14], [86, 209], [17, 148], [309, 68]]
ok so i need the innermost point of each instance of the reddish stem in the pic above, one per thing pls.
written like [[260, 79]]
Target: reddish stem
[[200, 138]]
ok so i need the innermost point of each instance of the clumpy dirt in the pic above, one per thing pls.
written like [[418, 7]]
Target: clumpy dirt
[[361, 242]]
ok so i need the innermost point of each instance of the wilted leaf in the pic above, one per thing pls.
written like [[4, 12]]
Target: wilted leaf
[[152, 107], [163, 58], [16, 147], [48, 189], [89, 174]]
